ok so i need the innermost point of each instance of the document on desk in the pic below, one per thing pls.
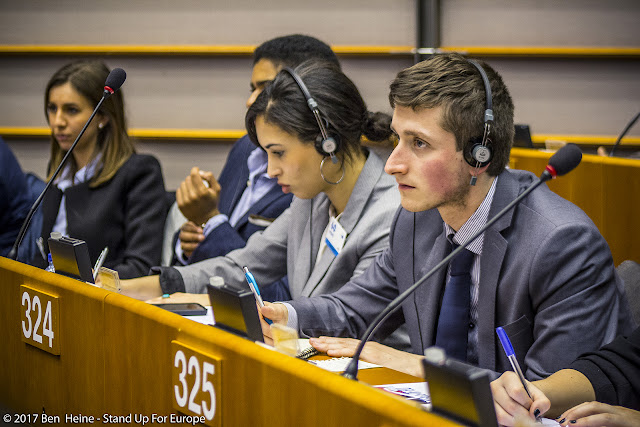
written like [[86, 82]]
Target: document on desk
[[206, 319], [419, 392], [412, 391], [339, 364]]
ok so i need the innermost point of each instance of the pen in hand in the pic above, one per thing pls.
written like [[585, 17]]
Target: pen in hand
[[100, 261], [511, 355], [254, 288]]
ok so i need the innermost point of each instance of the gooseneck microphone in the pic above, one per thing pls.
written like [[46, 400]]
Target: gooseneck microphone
[[624, 132], [115, 79], [562, 162]]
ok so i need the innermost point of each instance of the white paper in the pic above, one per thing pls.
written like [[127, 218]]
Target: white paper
[[339, 364]]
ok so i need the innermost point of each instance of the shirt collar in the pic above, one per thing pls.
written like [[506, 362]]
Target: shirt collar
[[257, 164], [473, 224], [83, 175]]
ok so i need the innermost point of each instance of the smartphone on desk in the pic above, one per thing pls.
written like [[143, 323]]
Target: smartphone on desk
[[184, 309]]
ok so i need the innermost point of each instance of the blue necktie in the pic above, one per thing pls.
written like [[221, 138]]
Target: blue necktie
[[453, 322]]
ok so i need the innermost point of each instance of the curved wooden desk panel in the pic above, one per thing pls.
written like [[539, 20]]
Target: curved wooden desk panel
[[606, 188], [116, 358]]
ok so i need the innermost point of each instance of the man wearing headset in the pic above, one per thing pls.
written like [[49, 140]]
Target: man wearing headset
[[222, 214], [543, 271]]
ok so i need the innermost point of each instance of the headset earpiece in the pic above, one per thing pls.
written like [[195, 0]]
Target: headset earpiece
[[478, 152], [326, 144]]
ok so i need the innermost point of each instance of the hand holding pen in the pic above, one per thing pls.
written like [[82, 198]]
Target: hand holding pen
[[254, 288], [508, 349]]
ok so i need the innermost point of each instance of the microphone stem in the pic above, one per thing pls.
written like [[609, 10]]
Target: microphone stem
[[13, 254], [351, 371], [624, 132]]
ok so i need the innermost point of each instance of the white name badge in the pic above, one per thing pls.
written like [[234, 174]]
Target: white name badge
[[335, 236]]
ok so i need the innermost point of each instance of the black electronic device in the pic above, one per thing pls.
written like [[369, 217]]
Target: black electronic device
[[235, 311], [458, 390], [71, 258], [522, 137], [184, 309]]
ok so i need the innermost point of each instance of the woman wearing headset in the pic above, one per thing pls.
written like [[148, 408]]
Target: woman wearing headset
[[344, 201]]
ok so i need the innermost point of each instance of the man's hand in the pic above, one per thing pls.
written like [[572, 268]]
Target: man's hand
[[198, 201], [277, 313], [600, 414], [142, 288], [512, 402], [373, 352], [190, 237]]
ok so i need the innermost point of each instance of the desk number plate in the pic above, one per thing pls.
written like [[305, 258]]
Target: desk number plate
[[39, 319], [196, 384]]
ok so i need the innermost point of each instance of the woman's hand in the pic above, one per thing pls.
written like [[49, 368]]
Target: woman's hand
[[512, 402], [600, 414]]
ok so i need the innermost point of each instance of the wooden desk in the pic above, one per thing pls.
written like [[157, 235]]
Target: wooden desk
[[117, 356], [606, 188]]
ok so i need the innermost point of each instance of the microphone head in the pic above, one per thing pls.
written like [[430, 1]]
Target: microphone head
[[115, 79], [565, 160]]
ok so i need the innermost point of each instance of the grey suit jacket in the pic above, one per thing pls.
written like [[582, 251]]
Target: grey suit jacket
[[289, 246], [546, 276]]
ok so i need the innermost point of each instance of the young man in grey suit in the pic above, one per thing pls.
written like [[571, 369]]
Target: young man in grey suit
[[543, 272]]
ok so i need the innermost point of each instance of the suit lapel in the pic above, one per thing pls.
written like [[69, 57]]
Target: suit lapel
[[272, 195], [309, 244], [363, 189], [427, 296], [240, 184], [493, 253]]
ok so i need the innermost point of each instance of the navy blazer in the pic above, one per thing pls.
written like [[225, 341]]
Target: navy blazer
[[233, 181], [17, 193]]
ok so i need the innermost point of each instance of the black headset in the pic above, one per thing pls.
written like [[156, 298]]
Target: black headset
[[478, 151], [326, 144]]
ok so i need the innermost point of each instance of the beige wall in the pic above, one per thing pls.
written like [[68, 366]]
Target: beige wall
[[571, 96]]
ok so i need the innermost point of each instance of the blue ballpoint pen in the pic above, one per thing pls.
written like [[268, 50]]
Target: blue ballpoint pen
[[254, 288], [511, 355]]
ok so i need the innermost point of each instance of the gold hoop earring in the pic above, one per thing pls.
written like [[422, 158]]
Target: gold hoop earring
[[322, 173]]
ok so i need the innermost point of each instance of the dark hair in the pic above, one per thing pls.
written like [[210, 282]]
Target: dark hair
[[293, 50], [87, 78], [450, 81], [283, 105]]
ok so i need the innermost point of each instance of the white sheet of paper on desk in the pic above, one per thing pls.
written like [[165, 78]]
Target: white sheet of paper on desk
[[339, 364], [206, 319], [412, 391]]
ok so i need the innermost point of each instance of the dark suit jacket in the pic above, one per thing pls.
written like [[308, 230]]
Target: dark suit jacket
[[546, 276], [17, 193], [125, 214]]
